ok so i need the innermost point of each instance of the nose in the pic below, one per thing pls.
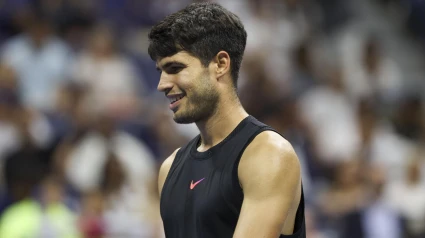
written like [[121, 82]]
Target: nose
[[164, 84]]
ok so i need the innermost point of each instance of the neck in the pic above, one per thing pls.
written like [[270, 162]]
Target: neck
[[217, 127]]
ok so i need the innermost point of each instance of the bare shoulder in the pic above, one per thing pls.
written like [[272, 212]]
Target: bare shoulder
[[165, 168], [269, 158], [270, 146]]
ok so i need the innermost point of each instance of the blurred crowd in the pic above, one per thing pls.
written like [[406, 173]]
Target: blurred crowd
[[83, 130]]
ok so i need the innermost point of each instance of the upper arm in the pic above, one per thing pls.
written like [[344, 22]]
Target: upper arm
[[269, 173], [165, 168]]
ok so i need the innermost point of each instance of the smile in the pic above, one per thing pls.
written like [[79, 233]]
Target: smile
[[175, 98]]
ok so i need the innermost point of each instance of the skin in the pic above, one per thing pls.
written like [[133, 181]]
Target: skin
[[269, 170]]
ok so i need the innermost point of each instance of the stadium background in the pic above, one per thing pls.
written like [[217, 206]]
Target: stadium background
[[83, 131]]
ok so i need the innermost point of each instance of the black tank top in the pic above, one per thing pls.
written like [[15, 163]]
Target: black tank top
[[202, 197]]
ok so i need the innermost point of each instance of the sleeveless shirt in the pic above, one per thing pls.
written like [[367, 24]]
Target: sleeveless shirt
[[202, 196]]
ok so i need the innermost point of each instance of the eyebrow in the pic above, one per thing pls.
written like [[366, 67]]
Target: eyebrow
[[170, 63]]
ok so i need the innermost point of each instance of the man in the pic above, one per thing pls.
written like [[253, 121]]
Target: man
[[238, 178]]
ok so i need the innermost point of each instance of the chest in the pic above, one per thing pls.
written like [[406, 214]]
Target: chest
[[201, 190]]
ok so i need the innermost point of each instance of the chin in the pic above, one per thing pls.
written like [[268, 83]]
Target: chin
[[183, 119], [190, 116]]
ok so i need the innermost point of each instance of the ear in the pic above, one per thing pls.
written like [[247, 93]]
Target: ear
[[222, 63]]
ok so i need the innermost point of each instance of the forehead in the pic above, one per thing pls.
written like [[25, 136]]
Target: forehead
[[182, 57]]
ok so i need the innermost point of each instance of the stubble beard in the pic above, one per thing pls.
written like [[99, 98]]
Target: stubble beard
[[198, 106]]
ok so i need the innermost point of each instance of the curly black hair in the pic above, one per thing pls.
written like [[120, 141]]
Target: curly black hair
[[202, 30]]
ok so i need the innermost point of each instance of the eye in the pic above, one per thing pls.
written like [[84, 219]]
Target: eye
[[174, 69]]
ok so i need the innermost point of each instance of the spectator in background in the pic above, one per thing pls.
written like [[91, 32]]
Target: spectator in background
[[346, 198], [378, 219], [303, 76], [72, 18], [258, 83], [58, 219], [275, 29], [113, 86], [379, 144], [355, 203], [22, 171], [330, 116], [29, 217], [20, 127], [90, 150], [91, 222], [68, 119], [22, 132], [375, 75], [57, 171], [40, 60], [129, 211], [8, 102], [408, 198]]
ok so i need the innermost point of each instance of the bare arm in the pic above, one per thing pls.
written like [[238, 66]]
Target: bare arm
[[269, 173], [162, 175], [165, 168]]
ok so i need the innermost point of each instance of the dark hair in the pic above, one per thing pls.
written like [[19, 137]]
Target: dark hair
[[201, 29]]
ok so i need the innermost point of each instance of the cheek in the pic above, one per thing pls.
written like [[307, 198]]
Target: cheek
[[184, 82], [205, 94], [194, 82], [188, 86]]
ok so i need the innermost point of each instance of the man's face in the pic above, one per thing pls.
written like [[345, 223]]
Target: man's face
[[189, 87]]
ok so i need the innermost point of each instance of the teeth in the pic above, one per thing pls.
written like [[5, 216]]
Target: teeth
[[175, 99]]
